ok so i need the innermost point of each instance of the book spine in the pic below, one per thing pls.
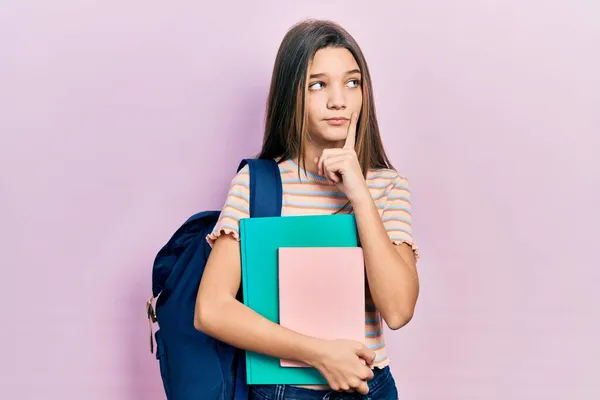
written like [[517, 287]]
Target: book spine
[[243, 265]]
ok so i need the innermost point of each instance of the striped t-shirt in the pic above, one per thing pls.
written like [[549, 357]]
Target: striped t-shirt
[[310, 194]]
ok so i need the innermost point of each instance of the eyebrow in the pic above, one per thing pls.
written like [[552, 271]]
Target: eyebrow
[[320, 75]]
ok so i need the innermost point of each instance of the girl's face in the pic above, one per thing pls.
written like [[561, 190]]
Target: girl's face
[[334, 92]]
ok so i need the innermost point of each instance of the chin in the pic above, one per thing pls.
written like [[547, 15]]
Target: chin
[[332, 135]]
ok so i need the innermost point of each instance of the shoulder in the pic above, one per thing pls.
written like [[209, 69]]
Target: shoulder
[[242, 177], [387, 179], [235, 208], [239, 189]]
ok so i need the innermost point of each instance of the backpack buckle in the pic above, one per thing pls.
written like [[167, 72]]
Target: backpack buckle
[[150, 310], [151, 318]]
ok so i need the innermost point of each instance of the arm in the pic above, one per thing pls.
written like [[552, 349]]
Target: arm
[[221, 315], [391, 268]]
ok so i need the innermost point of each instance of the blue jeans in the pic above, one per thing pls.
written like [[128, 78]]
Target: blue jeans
[[381, 387]]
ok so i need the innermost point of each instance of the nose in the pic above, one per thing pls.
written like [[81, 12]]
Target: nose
[[337, 98]]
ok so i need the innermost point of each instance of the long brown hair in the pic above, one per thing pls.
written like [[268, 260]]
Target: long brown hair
[[285, 126]]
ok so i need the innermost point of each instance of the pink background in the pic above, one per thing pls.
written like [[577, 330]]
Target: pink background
[[115, 119]]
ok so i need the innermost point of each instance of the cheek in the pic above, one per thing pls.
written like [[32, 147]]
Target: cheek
[[313, 111], [357, 101]]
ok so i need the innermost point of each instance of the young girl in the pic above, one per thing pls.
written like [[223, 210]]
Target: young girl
[[322, 129]]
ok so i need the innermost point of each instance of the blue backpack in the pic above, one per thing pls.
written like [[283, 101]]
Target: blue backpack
[[192, 364]]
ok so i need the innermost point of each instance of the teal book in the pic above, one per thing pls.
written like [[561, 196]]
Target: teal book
[[260, 240]]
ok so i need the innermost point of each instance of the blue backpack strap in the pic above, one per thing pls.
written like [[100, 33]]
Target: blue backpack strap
[[265, 184], [265, 201]]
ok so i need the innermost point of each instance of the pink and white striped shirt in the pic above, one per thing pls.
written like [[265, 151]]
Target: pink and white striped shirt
[[310, 194]]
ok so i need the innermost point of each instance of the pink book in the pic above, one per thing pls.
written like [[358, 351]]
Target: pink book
[[322, 293]]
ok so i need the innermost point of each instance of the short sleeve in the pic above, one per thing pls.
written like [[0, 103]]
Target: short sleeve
[[236, 207], [397, 214]]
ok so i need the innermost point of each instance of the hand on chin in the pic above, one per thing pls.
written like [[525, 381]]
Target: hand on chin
[[339, 163]]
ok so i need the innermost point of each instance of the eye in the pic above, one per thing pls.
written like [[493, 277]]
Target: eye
[[354, 82], [314, 85]]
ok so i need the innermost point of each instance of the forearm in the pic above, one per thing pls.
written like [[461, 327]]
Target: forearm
[[392, 280], [232, 322]]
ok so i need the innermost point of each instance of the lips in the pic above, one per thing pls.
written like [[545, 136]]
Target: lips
[[337, 121]]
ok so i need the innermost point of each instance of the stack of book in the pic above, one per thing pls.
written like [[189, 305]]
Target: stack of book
[[305, 273]]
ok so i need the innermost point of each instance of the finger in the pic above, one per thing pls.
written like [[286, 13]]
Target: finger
[[366, 354], [332, 382], [363, 388], [320, 167], [351, 136], [331, 176], [327, 162], [355, 383], [325, 155], [370, 363], [333, 168], [367, 374], [337, 160], [317, 161]]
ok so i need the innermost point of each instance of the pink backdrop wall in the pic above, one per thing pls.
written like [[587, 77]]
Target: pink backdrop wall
[[115, 119]]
